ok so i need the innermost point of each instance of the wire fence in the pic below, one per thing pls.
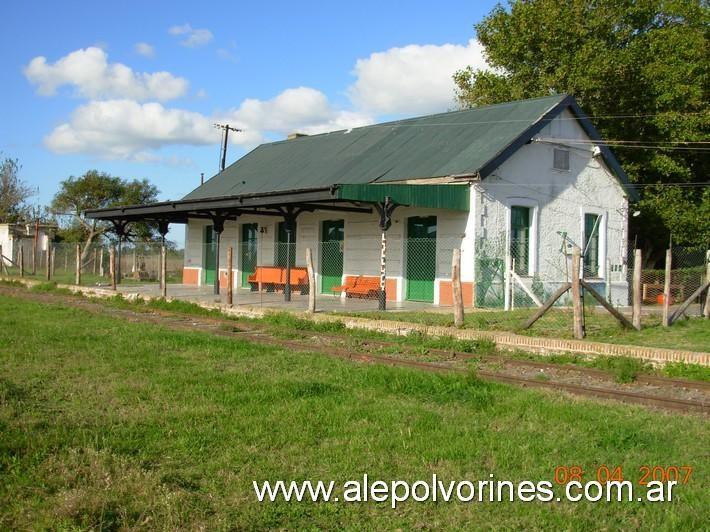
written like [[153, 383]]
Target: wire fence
[[139, 263], [502, 284]]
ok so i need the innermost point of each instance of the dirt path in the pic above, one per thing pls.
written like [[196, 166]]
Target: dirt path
[[676, 394]]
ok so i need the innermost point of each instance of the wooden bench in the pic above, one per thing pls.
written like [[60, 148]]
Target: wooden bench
[[273, 278], [361, 286], [651, 291]]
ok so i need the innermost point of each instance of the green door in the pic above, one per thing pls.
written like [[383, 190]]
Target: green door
[[210, 247], [248, 252], [421, 258], [331, 255]]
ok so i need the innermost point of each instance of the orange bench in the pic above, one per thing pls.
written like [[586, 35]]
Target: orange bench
[[361, 286], [274, 278]]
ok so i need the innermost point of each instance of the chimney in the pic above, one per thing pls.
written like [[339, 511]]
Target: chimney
[[292, 136]]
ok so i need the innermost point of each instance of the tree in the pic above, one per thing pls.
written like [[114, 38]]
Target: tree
[[97, 190], [13, 192], [646, 61]]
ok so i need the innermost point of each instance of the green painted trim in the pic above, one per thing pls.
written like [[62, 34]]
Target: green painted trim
[[453, 197]]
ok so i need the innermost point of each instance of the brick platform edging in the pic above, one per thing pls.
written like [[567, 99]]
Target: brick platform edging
[[504, 340], [510, 341]]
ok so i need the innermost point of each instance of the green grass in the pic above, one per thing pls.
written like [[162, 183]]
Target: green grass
[[110, 424], [688, 334], [288, 325]]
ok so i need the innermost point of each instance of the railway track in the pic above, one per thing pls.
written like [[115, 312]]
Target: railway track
[[258, 333]]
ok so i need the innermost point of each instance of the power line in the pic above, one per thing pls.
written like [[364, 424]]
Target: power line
[[516, 120]]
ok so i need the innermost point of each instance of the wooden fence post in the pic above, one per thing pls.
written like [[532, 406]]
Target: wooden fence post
[[456, 287], [577, 295], [706, 311], [101, 262], [54, 256], [48, 262], [311, 282], [21, 259], [667, 289], [230, 276], [112, 265], [2, 262], [164, 271], [77, 274], [96, 260], [636, 291]]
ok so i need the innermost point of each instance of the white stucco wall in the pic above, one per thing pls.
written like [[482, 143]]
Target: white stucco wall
[[361, 246], [5, 240], [559, 200]]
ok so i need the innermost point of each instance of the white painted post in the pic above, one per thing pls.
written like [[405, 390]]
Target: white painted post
[[383, 272]]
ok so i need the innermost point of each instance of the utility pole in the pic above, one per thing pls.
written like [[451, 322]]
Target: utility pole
[[226, 128]]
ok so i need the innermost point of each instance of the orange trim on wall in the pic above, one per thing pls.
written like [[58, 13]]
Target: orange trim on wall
[[191, 276], [446, 293], [391, 289]]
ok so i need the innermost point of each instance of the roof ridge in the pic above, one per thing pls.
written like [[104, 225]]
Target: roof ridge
[[557, 96]]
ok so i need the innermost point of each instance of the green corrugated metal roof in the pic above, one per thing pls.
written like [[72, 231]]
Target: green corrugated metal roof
[[454, 197], [460, 142]]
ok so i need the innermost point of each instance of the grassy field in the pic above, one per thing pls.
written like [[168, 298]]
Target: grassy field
[[108, 424], [690, 334]]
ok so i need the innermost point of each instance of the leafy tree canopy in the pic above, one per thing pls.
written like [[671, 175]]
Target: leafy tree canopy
[[647, 61], [13, 192], [97, 190]]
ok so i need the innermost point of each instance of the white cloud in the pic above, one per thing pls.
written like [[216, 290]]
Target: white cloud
[[90, 73], [144, 49], [125, 129], [194, 37], [414, 79]]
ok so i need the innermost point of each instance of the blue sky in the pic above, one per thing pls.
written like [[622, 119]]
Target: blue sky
[[132, 88]]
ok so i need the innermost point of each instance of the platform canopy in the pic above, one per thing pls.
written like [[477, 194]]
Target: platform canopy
[[343, 198]]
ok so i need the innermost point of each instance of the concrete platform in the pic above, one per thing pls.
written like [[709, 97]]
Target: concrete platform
[[274, 300]]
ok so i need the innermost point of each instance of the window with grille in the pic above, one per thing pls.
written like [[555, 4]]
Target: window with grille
[[592, 223], [520, 221]]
